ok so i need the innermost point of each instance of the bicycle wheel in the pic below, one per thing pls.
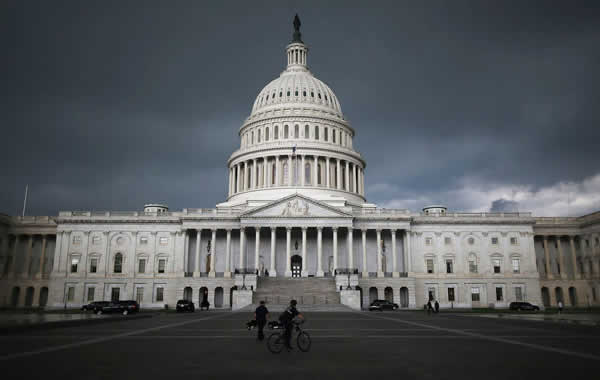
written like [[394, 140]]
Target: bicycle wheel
[[303, 341], [275, 343]]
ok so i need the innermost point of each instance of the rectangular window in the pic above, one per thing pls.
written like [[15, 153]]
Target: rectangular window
[[518, 293], [114, 294], [142, 266], [431, 293], [475, 294], [93, 265], [513, 241], [496, 263], [429, 265], [428, 241], [499, 295], [495, 241], [90, 295], [451, 295], [96, 240], [71, 293], [161, 265], [139, 295], [449, 266], [76, 239], [164, 241], [159, 294], [447, 241], [74, 263], [516, 266], [144, 240], [472, 266]]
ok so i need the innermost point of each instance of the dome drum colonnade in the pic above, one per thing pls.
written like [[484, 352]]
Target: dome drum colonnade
[[296, 137]]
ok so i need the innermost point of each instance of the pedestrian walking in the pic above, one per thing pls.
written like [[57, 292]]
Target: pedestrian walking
[[560, 307], [429, 307], [261, 314], [437, 306]]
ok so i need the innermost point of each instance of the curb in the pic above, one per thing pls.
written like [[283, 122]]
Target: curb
[[74, 323]]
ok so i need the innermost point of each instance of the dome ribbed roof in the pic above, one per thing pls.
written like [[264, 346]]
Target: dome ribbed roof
[[297, 89]]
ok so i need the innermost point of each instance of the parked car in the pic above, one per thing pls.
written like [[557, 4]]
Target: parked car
[[381, 305], [123, 307], [523, 306], [185, 305], [94, 306]]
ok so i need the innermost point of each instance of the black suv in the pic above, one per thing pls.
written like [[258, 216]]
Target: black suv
[[185, 305], [381, 305], [94, 306], [523, 306], [123, 307]]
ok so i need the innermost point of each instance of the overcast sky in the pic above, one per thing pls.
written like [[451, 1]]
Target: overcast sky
[[477, 105]]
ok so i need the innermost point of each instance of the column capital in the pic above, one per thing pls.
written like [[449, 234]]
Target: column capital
[[228, 230], [304, 228], [86, 233], [199, 230], [288, 228], [319, 228], [378, 230], [242, 228], [153, 233], [105, 233], [364, 230], [273, 229]]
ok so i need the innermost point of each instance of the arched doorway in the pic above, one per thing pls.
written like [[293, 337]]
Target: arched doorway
[[14, 298], [372, 294], [203, 295], [559, 295], [219, 297], [187, 293], [360, 295], [404, 296], [43, 296], [573, 296], [231, 295], [545, 296], [389, 294], [29, 296], [296, 262]]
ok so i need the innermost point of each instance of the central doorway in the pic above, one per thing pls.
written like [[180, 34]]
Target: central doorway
[[296, 266]]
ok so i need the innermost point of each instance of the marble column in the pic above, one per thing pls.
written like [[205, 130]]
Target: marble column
[[254, 184], [246, 175], [213, 248], [354, 178], [561, 260], [574, 258], [42, 257], [277, 172], [365, 272], [227, 273], [13, 264], [335, 251], [265, 172], [407, 253], [304, 271], [394, 254], [347, 176], [256, 246], [272, 271], [379, 263], [338, 174], [242, 238], [288, 242], [320, 252], [290, 177], [27, 262], [350, 249], [328, 172], [303, 172], [547, 259], [197, 253], [186, 248], [316, 175]]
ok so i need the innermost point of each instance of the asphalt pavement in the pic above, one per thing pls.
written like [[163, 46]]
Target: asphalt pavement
[[346, 345]]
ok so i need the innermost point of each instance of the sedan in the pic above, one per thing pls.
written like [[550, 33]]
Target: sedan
[[381, 305], [523, 306], [185, 305], [94, 306]]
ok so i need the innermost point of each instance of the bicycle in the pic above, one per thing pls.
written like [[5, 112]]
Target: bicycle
[[276, 340]]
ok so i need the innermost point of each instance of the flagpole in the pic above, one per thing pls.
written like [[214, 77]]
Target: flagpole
[[25, 200]]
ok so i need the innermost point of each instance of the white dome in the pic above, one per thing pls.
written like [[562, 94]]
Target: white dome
[[297, 88]]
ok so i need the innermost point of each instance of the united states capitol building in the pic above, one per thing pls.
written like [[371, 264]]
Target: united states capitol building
[[296, 222]]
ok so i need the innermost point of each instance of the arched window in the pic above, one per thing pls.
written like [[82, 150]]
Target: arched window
[[267, 134], [307, 176], [285, 132], [259, 135], [288, 93], [306, 132], [296, 93], [296, 131], [319, 182], [276, 133], [343, 139], [303, 93], [118, 268], [273, 173], [316, 132], [325, 134], [286, 173], [252, 139], [333, 133]]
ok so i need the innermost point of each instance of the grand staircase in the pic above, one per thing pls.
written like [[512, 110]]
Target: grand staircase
[[312, 294]]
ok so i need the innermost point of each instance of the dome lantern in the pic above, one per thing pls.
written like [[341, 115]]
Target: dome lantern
[[297, 51]]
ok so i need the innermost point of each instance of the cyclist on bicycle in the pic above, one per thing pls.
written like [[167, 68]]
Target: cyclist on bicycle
[[287, 319]]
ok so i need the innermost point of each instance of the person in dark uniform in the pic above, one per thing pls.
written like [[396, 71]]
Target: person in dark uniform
[[261, 314], [287, 319]]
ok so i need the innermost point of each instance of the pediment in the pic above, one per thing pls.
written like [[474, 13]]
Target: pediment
[[296, 206]]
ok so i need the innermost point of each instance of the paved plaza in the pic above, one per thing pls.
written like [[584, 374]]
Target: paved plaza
[[345, 345]]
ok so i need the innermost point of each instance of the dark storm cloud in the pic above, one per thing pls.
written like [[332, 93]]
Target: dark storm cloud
[[109, 105]]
